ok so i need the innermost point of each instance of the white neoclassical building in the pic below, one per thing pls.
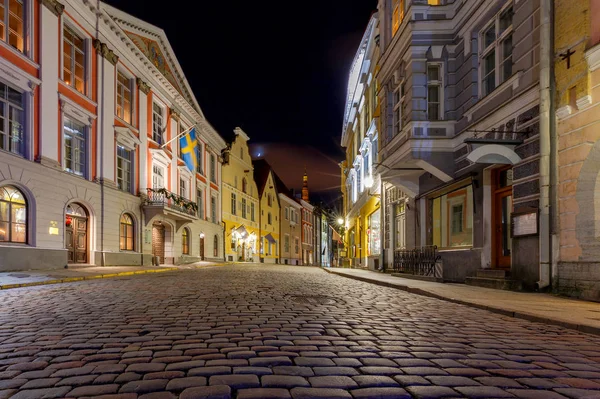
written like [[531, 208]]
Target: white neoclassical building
[[89, 101]]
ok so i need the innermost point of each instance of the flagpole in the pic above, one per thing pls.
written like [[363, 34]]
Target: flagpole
[[178, 136]]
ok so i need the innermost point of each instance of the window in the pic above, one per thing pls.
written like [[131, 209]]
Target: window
[[241, 153], [252, 211], [235, 182], [74, 60], [12, 118], [213, 168], [213, 209], [287, 213], [124, 170], [244, 185], [269, 219], [12, 26], [185, 242], [181, 130], [13, 215], [200, 162], [216, 246], [373, 233], [286, 243], [269, 200], [183, 188], [452, 216], [397, 15], [124, 97], [244, 209], [75, 146], [496, 51], [296, 246], [126, 233], [398, 102], [434, 92], [157, 123], [233, 204], [200, 203], [158, 179]]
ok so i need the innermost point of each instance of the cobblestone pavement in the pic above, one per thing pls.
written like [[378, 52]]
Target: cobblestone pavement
[[251, 332]]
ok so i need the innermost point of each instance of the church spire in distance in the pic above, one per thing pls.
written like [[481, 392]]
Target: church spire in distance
[[305, 186]]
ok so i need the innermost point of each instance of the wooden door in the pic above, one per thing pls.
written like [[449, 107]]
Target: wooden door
[[501, 211], [158, 242], [201, 248], [76, 239]]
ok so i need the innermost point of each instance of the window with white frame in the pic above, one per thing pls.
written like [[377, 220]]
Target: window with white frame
[[233, 203], [213, 209], [74, 65], [12, 23], [200, 203], [75, 143], [398, 101], [434, 92], [213, 168], [158, 115], [124, 169], [199, 158], [124, 97], [12, 119], [496, 51], [183, 188], [158, 177], [366, 167]]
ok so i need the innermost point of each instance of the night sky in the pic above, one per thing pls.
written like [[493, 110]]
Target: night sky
[[278, 70]]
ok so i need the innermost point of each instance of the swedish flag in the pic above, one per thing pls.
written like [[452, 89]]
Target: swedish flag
[[188, 150]]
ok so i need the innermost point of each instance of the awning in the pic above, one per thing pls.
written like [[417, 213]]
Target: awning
[[270, 238], [336, 236], [242, 231]]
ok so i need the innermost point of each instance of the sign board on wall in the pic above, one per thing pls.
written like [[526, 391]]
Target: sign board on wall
[[524, 223]]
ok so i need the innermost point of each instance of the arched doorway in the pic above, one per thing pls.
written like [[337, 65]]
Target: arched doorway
[[158, 241], [76, 233], [202, 246]]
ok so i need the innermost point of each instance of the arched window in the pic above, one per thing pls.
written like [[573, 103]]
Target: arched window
[[244, 185], [216, 246], [185, 242], [13, 215], [126, 233]]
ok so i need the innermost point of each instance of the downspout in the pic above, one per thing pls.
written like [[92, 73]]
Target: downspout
[[554, 211], [546, 59], [382, 210], [101, 128]]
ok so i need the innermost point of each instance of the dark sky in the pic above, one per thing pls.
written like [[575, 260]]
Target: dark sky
[[278, 70]]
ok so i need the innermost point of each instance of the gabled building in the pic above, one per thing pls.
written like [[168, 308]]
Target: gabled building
[[268, 217], [465, 137], [240, 202], [361, 184], [307, 223], [91, 169], [290, 230]]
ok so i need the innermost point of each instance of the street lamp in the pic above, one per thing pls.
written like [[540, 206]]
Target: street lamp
[[368, 184], [340, 221]]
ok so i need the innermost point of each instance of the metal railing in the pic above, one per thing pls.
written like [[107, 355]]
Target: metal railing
[[418, 261], [170, 200]]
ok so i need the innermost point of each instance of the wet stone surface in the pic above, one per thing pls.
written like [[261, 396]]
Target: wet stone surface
[[258, 331]]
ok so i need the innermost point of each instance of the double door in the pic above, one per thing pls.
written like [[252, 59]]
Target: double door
[[76, 239]]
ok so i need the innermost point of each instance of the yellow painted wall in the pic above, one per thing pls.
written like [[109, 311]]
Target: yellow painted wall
[[238, 168], [265, 227]]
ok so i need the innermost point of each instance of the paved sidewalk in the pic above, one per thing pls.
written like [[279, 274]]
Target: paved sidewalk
[[544, 308], [30, 278]]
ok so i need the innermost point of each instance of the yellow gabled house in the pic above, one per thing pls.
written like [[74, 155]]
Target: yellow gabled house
[[269, 222], [240, 202]]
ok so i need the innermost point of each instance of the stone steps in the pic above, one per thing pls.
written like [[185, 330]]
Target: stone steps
[[494, 278]]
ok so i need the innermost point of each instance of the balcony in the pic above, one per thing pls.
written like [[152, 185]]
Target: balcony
[[163, 202]]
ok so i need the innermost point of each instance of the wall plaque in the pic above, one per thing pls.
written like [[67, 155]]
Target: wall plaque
[[524, 223]]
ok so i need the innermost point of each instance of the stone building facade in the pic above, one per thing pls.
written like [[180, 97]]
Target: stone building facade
[[88, 174]]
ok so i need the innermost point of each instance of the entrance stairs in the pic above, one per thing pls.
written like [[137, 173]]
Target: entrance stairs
[[494, 278]]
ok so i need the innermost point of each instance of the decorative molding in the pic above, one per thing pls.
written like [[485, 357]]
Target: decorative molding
[[175, 114], [563, 112], [75, 111], [54, 6], [104, 51], [584, 102], [126, 138], [513, 82], [48, 162], [593, 57], [143, 86]]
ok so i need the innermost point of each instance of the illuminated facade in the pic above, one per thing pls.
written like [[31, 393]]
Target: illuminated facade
[[361, 184], [240, 202], [268, 216], [89, 175]]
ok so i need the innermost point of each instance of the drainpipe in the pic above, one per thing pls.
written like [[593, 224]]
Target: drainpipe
[[100, 127], [546, 59]]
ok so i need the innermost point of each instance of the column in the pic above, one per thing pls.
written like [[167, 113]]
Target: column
[[142, 92]]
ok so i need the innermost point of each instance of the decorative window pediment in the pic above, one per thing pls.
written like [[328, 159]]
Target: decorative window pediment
[[126, 138]]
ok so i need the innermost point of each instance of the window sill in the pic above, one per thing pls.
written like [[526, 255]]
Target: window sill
[[9, 244], [127, 124], [19, 54], [455, 249], [78, 93], [483, 101]]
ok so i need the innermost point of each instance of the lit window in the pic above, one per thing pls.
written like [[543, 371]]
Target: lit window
[[373, 231], [434, 92], [13, 215], [397, 15], [13, 12], [496, 51], [126, 236], [12, 117], [74, 60], [124, 157], [185, 242], [157, 123], [124, 97], [452, 216], [75, 146]]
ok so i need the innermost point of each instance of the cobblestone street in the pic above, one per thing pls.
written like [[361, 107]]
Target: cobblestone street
[[258, 331]]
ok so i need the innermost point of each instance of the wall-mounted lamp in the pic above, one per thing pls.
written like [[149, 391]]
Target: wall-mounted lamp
[[368, 184], [201, 235], [340, 221]]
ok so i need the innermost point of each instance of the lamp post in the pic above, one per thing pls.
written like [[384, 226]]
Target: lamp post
[[340, 222]]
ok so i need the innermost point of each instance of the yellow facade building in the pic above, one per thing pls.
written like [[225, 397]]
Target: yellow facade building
[[577, 103], [240, 202], [361, 185], [268, 218]]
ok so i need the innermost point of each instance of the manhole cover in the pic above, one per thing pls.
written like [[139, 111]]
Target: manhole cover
[[314, 299], [19, 275]]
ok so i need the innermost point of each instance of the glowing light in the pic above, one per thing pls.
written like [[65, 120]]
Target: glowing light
[[368, 182], [201, 235], [340, 221]]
